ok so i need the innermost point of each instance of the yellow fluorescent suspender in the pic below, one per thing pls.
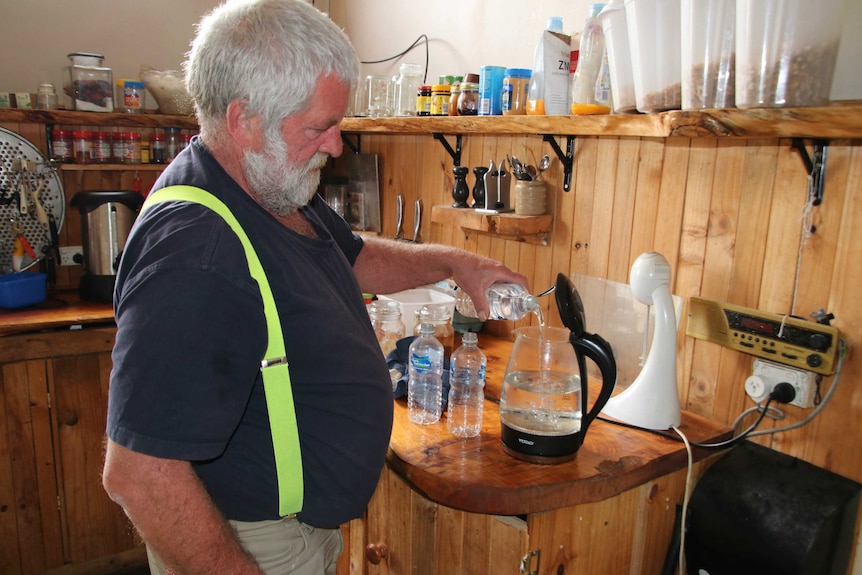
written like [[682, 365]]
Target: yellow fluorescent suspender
[[276, 376]]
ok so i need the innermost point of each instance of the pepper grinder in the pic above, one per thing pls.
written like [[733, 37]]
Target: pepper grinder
[[479, 186], [460, 190]]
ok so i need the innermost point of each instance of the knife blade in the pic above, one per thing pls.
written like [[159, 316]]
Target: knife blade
[[399, 217], [417, 221]]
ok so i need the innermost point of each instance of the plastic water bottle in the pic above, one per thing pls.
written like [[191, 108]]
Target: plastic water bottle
[[467, 388], [425, 384], [506, 301]]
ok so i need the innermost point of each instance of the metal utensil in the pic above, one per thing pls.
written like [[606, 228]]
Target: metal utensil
[[417, 221], [399, 217], [544, 164]]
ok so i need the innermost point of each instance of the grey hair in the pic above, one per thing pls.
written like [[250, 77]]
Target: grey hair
[[268, 52]]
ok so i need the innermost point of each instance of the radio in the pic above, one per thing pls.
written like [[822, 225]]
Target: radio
[[792, 341]]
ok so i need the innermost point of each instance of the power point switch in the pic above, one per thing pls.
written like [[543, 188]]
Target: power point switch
[[771, 374], [756, 388]]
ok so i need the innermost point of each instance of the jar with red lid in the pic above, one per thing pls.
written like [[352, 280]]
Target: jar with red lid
[[118, 149], [61, 146], [82, 144], [158, 148], [102, 145]]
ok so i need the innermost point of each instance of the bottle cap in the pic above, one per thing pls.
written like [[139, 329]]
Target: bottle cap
[[470, 337], [426, 329], [555, 24]]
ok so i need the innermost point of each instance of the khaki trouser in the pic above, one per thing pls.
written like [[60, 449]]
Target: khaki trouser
[[283, 547]]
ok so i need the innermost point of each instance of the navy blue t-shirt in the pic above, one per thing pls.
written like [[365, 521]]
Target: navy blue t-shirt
[[186, 380]]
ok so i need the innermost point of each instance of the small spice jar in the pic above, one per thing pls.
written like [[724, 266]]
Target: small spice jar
[[118, 147], [102, 147], [423, 101], [61, 146], [82, 144], [158, 149], [133, 148], [440, 99], [172, 143], [468, 100], [454, 93]]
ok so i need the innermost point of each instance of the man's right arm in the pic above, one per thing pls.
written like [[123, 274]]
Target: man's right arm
[[173, 513]]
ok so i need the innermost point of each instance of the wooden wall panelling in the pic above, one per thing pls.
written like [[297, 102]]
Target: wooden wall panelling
[[30, 539], [96, 526]]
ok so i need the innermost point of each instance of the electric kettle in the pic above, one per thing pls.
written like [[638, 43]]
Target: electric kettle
[[544, 408]]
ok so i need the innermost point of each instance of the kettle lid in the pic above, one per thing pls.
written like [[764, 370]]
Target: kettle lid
[[570, 306], [89, 199]]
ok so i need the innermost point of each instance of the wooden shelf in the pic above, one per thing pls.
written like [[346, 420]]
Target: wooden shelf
[[72, 118], [530, 229], [842, 120], [112, 167]]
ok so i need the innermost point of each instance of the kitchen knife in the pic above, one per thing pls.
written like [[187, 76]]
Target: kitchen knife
[[417, 221], [399, 217]]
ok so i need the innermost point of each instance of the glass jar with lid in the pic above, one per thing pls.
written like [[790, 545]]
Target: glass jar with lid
[[468, 100], [386, 320], [440, 316]]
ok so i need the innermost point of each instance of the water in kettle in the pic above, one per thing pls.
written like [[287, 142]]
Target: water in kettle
[[541, 402]]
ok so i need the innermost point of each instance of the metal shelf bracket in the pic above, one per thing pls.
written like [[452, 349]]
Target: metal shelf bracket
[[456, 153], [356, 148], [815, 166], [567, 159]]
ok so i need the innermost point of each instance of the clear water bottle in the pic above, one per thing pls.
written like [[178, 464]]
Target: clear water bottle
[[506, 301], [467, 388], [425, 384]]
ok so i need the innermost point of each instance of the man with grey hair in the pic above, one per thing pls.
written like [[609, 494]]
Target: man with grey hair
[[191, 451]]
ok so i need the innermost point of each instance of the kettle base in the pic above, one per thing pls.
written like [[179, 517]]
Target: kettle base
[[540, 459]]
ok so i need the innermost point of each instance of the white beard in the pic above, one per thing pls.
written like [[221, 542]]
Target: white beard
[[275, 183]]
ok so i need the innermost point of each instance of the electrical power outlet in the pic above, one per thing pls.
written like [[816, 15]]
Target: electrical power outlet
[[768, 374], [68, 253]]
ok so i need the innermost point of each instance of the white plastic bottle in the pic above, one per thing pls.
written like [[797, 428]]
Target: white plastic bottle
[[467, 388], [589, 96], [425, 382], [506, 301]]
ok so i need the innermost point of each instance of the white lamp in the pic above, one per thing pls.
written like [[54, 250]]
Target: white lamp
[[652, 401]]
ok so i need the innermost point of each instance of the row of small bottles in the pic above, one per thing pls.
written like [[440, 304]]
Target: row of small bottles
[[124, 147]]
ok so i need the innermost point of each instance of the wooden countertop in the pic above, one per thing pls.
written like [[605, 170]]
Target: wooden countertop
[[476, 475], [60, 309]]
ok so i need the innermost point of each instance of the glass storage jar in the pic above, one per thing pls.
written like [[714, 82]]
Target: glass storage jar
[[386, 320]]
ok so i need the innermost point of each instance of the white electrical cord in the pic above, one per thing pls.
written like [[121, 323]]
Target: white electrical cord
[[685, 498], [806, 218]]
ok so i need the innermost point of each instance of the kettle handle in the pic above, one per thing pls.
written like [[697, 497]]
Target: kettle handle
[[599, 351]]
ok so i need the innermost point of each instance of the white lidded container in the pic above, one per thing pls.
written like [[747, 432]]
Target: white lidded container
[[708, 54], [613, 20], [654, 42], [786, 51]]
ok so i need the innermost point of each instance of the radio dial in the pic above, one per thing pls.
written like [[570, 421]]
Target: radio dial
[[814, 360], [818, 341]]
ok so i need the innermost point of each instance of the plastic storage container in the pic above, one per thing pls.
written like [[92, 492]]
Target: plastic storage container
[[89, 84], [786, 51], [425, 383], [22, 289], [466, 388], [613, 20], [708, 54], [654, 42]]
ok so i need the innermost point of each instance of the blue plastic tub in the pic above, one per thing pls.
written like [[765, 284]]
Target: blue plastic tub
[[22, 289]]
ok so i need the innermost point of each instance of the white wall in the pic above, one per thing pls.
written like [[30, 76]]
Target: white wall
[[35, 36]]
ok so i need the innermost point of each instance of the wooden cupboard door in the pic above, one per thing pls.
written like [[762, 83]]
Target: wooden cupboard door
[[30, 540], [93, 525], [406, 534]]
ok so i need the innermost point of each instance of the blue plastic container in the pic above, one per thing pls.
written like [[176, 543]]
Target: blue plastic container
[[22, 289]]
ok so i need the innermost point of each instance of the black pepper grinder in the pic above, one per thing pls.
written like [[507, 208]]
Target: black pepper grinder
[[460, 190], [479, 186]]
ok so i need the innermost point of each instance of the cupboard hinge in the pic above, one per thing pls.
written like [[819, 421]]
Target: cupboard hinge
[[527, 567]]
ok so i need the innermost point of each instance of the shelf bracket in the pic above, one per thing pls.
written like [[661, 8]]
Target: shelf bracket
[[815, 166], [357, 148], [567, 159], [456, 153]]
